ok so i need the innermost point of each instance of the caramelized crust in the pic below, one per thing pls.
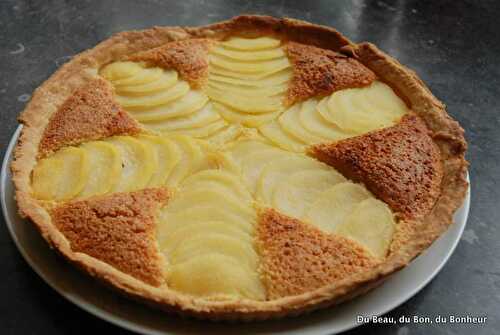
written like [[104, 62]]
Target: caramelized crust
[[188, 57], [90, 113], [297, 257], [320, 72], [401, 165], [118, 229]]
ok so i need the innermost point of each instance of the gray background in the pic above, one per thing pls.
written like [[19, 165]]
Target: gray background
[[453, 45]]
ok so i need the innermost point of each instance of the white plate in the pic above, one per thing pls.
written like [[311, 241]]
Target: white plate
[[97, 300]]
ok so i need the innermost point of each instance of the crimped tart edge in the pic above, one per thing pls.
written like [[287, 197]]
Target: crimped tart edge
[[447, 134]]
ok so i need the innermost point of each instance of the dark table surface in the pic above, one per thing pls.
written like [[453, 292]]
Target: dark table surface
[[453, 45]]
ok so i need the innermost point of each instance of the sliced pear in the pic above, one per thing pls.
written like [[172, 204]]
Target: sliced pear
[[62, 175], [201, 213], [204, 131], [273, 132], [200, 231], [274, 65], [216, 276], [167, 155], [254, 163], [191, 157], [290, 123], [280, 169], [214, 197], [222, 72], [144, 76], [271, 80], [249, 120], [372, 224], [311, 118], [197, 119], [295, 194], [241, 149], [225, 135], [105, 166], [249, 55], [361, 110], [120, 70], [214, 178], [246, 104], [333, 205], [165, 82], [164, 97], [248, 91], [383, 98], [259, 43], [185, 105], [207, 241], [139, 163]]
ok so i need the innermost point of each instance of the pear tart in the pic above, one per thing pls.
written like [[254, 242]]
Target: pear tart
[[249, 169]]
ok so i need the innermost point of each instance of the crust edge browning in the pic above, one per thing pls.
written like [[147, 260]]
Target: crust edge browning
[[446, 133]]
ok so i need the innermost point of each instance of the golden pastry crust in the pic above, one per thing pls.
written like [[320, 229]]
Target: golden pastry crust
[[400, 165], [445, 132], [188, 57], [298, 257], [319, 72], [118, 229], [90, 113]]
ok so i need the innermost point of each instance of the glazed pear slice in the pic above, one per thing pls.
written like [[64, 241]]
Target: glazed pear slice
[[259, 43], [216, 276], [241, 149], [290, 123], [214, 178], [372, 224], [139, 163], [165, 82], [254, 163], [178, 237], [222, 72], [150, 101], [257, 55], [212, 197], [105, 166], [244, 104], [385, 99], [250, 92], [142, 77], [225, 135], [120, 70], [185, 105], [361, 110], [333, 205], [273, 132], [280, 169], [249, 120], [295, 194], [197, 119], [203, 131], [191, 157], [167, 155], [62, 175], [267, 81], [274, 65], [311, 119], [205, 242], [170, 222]]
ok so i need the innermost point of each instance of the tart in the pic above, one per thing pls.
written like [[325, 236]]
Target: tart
[[250, 169]]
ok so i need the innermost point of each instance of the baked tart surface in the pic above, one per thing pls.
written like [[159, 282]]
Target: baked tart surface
[[249, 169]]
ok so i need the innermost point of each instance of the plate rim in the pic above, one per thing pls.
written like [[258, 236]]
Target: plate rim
[[132, 326]]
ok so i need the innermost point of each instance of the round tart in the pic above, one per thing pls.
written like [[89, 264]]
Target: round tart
[[249, 169]]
